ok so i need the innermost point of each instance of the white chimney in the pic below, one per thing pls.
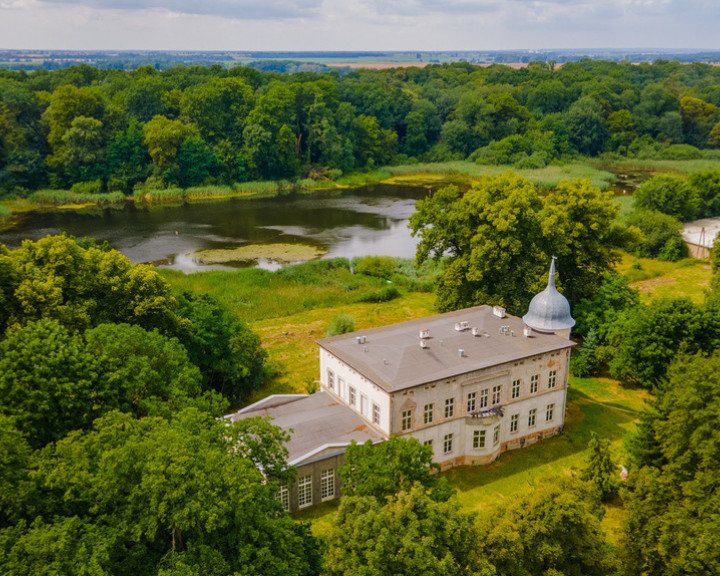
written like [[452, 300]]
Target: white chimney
[[461, 352], [499, 311], [423, 344], [425, 333], [475, 331]]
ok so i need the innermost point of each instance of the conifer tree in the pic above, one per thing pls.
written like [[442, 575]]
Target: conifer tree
[[600, 469]]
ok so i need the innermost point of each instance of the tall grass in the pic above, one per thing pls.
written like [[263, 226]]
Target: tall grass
[[682, 166], [240, 189], [5, 213], [545, 178], [60, 197]]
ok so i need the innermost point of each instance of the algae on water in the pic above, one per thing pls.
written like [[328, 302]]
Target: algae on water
[[281, 253]]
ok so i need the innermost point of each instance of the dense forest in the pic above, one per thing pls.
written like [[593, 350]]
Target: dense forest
[[113, 131]]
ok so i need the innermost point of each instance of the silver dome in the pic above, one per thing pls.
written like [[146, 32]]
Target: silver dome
[[549, 310]]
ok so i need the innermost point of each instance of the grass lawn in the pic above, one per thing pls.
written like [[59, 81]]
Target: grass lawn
[[657, 279]]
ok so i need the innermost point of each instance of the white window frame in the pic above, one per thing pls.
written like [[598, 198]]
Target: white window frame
[[406, 420], [534, 379], [283, 496], [331, 379], [428, 412], [484, 397], [552, 378], [305, 492], [327, 484], [448, 443], [516, 389], [449, 407], [376, 413], [496, 435], [514, 423], [478, 439], [532, 417], [496, 395], [352, 395], [550, 412], [471, 398]]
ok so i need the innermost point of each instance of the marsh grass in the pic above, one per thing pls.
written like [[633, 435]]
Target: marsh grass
[[62, 197], [680, 166]]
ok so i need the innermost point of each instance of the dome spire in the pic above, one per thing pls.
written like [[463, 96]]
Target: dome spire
[[549, 311]]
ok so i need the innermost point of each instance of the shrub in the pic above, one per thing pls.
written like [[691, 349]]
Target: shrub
[[681, 152], [341, 324], [673, 250], [385, 294], [657, 230], [94, 187], [377, 266]]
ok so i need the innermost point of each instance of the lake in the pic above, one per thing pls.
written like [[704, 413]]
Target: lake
[[350, 222]]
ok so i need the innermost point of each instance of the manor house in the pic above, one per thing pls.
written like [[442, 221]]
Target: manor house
[[471, 384]]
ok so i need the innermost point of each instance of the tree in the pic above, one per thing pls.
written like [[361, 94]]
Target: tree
[[410, 534], [598, 312], [706, 187], [667, 194], [15, 483], [230, 355], [53, 381], [384, 469], [82, 284], [672, 502], [196, 162], [600, 470], [588, 129], [550, 528], [656, 231], [646, 339], [147, 495], [496, 240], [585, 361], [162, 138]]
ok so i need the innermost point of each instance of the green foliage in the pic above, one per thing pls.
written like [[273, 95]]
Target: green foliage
[[82, 285], [15, 483], [644, 340], [382, 470], [341, 324], [597, 313], [670, 195], [151, 495], [385, 294], [673, 250], [600, 470], [657, 230], [410, 534], [228, 353], [681, 152], [497, 238], [53, 381], [377, 266], [584, 361], [671, 501], [551, 528]]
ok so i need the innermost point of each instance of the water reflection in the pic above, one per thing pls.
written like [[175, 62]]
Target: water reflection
[[368, 220]]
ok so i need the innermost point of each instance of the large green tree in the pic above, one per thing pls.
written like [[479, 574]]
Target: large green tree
[[151, 496], [497, 238], [410, 534]]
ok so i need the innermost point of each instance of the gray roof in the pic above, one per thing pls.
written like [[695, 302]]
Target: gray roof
[[549, 310], [318, 422], [392, 357]]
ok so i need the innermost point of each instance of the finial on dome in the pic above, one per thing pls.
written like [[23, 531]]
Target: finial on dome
[[549, 311], [551, 274]]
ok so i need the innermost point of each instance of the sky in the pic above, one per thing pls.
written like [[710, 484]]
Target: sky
[[367, 25]]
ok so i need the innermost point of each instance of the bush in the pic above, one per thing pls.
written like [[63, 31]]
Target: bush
[[341, 324], [673, 250], [377, 266], [94, 187], [383, 295], [681, 152], [657, 230]]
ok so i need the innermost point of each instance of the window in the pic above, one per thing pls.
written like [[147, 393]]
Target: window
[[534, 383], [483, 398], [496, 435], [341, 387], [376, 414], [428, 413], [479, 439], [449, 407], [549, 412], [351, 395], [406, 420], [551, 378], [531, 417], [363, 404], [496, 395], [283, 496], [327, 484], [448, 443], [428, 443], [304, 491], [471, 402], [516, 389], [514, 422], [331, 379]]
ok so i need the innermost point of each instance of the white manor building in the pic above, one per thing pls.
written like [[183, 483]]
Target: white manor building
[[471, 383]]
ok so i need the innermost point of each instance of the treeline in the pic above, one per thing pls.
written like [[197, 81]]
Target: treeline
[[112, 130]]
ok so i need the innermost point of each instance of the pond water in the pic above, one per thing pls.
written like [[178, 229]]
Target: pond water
[[353, 222]]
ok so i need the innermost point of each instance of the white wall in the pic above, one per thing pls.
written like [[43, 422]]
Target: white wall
[[363, 386]]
